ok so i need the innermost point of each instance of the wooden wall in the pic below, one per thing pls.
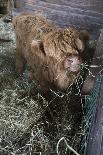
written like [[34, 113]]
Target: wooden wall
[[82, 14]]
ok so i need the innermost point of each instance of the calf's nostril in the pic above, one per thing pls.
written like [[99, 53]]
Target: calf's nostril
[[70, 61]]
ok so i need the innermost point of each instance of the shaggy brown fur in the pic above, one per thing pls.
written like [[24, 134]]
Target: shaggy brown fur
[[53, 54]]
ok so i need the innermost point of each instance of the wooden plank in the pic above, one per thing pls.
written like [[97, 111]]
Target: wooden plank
[[3, 6], [95, 140], [65, 13]]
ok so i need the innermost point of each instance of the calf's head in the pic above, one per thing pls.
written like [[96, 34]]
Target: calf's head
[[66, 46]]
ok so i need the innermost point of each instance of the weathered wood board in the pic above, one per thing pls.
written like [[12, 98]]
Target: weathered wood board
[[82, 14], [95, 141]]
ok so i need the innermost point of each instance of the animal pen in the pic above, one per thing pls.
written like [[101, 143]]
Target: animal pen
[[68, 124]]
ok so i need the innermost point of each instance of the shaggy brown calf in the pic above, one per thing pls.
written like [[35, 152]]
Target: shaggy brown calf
[[54, 55]]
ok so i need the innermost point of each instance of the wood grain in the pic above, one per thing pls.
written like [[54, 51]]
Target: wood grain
[[77, 13]]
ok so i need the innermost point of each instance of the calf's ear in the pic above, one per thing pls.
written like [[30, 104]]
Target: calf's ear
[[37, 47], [84, 36], [82, 40], [80, 45]]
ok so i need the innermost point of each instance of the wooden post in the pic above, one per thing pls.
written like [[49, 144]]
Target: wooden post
[[3, 6], [95, 140]]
